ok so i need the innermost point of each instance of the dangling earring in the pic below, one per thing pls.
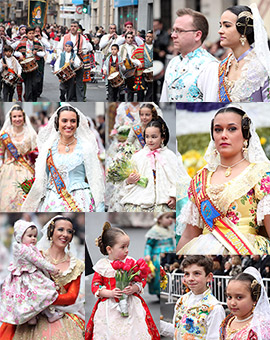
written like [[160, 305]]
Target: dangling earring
[[51, 241], [162, 145], [243, 40], [215, 152], [68, 246], [245, 149]]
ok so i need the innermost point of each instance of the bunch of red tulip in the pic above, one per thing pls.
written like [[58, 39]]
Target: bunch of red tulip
[[126, 272]]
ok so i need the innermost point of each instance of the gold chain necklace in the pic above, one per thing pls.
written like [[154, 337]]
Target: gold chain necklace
[[229, 167], [54, 261]]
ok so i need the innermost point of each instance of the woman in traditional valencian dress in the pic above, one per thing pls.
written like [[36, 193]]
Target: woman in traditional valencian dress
[[244, 75], [229, 198], [68, 176], [57, 237], [17, 140]]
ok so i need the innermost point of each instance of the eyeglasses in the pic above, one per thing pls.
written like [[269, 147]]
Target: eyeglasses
[[179, 30]]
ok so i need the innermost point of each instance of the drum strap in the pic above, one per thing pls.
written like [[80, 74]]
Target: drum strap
[[60, 185], [147, 54], [78, 47]]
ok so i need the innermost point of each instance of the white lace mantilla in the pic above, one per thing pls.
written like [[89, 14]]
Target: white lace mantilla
[[253, 77]]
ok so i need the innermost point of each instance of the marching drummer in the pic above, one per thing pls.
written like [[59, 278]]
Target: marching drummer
[[126, 52], [29, 47], [67, 58], [142, 57], [10, 68], [112, 64]]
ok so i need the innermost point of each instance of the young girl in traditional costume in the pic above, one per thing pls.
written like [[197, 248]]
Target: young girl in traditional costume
[[28, 290], [160, 239], [250, 310], [106, 321], [228, 199], [147, 112], [159, 165], [135, 142]]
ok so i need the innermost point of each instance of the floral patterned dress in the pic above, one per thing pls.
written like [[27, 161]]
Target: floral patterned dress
[[245, 200], [27, 291], [244, 333], [70, 326], [12, 172]]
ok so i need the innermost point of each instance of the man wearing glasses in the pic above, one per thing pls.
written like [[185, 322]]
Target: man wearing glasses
[[186, 74]]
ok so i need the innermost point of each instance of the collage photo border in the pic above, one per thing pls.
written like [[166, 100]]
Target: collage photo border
[[183, 307]]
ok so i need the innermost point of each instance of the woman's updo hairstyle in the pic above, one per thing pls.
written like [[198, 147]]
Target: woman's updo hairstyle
[[245, 125], [252, 283], [16, 108], [163, 128], [108, 237], [152, 108], [65, 108], [51, 227], [244, 23]]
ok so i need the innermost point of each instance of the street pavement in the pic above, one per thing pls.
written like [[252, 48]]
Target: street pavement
[[51, 92]]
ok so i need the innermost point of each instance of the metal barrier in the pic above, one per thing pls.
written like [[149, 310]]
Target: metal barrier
[[176, 289]]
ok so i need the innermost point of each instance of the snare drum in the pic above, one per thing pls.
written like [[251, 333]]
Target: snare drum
[[115, 79], [29, 65], [158, 69], [10, 78], [148, 74], [65, 73]]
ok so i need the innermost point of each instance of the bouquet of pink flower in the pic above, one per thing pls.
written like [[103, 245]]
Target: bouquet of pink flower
[[126, 272]]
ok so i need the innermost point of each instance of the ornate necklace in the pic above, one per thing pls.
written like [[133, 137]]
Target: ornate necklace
[[230, 331], [67, 148], [242, 56], [17, 134], [229, 167], [243, 320], [54, 261]]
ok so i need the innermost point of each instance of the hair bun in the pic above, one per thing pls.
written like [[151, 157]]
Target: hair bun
[[106, 226]]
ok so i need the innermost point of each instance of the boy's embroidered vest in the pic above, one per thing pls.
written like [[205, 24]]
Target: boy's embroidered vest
[[193, 320]]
